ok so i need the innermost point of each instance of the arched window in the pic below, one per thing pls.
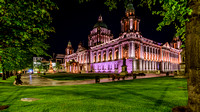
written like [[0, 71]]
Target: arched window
[[136, 51], [145, 57], [116, 54], [154, 55], [147, 53], [99, 57], [125, 51], [95, 58]]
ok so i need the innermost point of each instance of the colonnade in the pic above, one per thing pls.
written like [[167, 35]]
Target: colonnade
[[145, 57]]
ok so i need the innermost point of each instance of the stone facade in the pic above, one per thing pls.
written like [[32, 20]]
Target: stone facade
[[106, 54]]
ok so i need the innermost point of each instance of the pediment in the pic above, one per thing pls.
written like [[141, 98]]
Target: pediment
[[166, 45]]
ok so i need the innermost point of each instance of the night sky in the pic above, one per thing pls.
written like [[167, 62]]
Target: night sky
[[74, 21]]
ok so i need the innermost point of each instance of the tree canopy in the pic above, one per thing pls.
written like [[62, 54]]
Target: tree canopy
[[25, 25]]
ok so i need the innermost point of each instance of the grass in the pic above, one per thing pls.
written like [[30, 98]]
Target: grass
[[140, 95], [68, 76]]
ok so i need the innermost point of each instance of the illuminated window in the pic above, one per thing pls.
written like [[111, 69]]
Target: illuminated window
[[116, 54], [95, 58], [125, 53], [145, 53], [104, 56], [136, 51], [126, 25], [99, 57], [131, 24], [110, 55]]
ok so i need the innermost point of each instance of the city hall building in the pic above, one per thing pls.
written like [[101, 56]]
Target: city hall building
[[105, 54]]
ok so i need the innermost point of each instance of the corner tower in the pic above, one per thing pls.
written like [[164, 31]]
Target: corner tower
[[69, 49], [130, 23], [100, 33], [176, 43]]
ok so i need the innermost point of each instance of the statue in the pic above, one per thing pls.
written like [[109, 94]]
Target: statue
[[50, 68], [124, 61], [124, 68]]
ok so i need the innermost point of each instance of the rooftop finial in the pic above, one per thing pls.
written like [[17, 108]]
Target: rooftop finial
[[69, 44], [100, 18]]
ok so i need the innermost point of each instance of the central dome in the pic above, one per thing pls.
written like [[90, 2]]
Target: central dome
[[100, 23], [130, 7]]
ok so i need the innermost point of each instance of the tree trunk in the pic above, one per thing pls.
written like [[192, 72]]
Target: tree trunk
[[11, 73], [7, 74], [4, 75], [193, 56]]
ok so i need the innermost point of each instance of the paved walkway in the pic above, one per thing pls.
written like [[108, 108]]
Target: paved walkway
[[35, 80]]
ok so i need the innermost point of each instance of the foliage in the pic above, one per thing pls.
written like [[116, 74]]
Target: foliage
[[174, 12], [25, 25]]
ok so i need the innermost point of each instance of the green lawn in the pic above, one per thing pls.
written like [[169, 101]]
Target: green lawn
[[140, 95], [68, 76]]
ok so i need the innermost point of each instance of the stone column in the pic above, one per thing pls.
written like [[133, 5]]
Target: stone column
[[146, 64], [141, 52], [162, 66], [146, 52], [91, 57], [170, 57], [133, 49], [149, 53], [149, 65], [134, 65], [130, 49], [113, 53], [141, 57], [140, 64], [83, 57], [120, 51], [157, 55], [86, 58], [101, 55], [143, 64], [162, 55], [107, 54], [152, 53]]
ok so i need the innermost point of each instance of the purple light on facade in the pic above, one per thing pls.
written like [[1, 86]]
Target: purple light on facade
[[111, 66]]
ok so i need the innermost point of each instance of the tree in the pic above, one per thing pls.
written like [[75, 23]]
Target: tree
[[185, 15], [25, 25]]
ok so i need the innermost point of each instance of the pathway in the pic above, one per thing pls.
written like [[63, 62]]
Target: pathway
[[35, 80]]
